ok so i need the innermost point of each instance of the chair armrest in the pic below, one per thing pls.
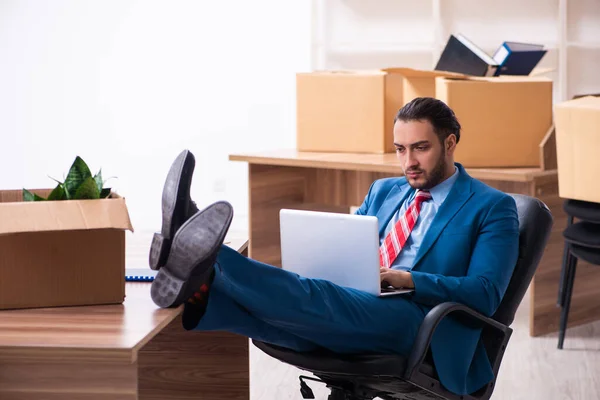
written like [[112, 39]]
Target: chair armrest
[[429, 325]]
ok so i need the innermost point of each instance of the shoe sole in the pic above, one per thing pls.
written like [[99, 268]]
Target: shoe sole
[[194, 251], [175, 203]]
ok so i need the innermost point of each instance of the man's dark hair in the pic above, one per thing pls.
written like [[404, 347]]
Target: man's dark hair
[[435, 111]]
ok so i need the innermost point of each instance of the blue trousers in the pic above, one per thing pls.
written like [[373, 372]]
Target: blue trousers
[[276, 306]]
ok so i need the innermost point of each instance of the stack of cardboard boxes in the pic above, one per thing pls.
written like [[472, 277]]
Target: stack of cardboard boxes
[[504, 119]]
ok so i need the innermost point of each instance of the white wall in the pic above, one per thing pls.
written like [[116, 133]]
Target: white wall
[[128, 84]]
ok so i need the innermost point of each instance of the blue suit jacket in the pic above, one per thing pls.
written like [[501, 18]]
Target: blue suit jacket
[[468, 256]]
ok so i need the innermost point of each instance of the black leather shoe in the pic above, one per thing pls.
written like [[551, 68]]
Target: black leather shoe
[[177, 207], [193, 253]]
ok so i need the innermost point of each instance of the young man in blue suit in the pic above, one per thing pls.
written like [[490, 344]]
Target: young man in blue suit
[[463, 247]]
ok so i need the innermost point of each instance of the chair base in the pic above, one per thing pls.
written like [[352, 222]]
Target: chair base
[[363, 393], [342, 392], [339, 394]]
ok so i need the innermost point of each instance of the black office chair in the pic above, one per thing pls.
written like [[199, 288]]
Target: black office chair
[[582, 241], [365, 376]]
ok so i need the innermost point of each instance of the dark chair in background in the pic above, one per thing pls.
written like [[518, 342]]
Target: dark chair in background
[[364, 377], [582, 241]]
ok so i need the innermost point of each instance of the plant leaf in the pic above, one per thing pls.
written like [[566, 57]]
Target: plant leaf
[[54, 179], [99, 182], [67, 193], [87, 190], [58, 193], [104, 193], [28, 196], [78, 174]]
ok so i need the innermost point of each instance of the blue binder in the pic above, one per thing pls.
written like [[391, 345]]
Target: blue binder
[[139, 274], [515, 58]]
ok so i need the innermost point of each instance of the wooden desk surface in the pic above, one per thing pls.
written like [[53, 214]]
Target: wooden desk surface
[[386, 163], [114, 332]]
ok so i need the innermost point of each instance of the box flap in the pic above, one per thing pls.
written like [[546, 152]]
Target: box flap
[[589, 102], [419, 73], [19, 217]]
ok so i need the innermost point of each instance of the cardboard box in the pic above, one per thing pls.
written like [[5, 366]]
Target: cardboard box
[[577, 143], [504, 119], [61, 253], [353, 111]]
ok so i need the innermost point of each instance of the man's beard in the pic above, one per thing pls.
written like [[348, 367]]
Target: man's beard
[[432, 178]]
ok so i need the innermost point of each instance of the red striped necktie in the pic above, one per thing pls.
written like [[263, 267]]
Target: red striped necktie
[[395, 240]]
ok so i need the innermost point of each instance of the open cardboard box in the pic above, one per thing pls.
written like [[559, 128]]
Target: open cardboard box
[[504, 119], [61, 253]]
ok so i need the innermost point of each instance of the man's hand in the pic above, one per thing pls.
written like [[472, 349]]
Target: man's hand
[[395, 278]]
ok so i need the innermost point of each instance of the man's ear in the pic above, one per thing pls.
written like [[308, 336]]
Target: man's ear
[[450, 142]]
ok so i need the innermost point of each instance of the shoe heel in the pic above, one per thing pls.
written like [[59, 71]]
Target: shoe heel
[[159, 251], [166, 289]]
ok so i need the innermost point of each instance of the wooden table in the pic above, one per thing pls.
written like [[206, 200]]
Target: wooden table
[[129, 351], [336, 181]]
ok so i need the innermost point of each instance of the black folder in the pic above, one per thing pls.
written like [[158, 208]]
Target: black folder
[[462, 56]]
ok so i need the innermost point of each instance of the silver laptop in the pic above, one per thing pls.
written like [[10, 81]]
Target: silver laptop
[[341, 248]]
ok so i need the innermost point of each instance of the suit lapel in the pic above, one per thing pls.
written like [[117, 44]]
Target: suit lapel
[[458, 196], [391, 204]]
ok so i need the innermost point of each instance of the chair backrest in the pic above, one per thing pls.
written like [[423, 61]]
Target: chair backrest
[[535, 224]]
